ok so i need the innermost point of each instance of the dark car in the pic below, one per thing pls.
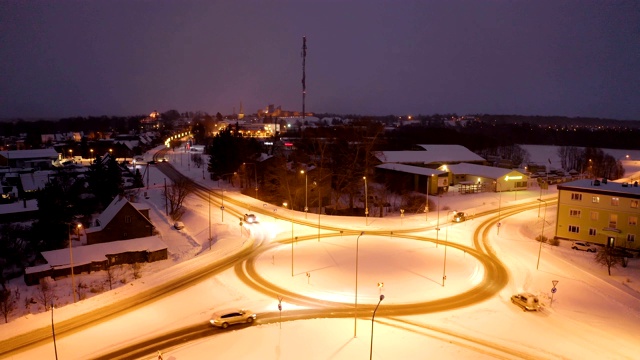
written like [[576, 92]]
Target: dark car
[[250, 218], [459, 216]]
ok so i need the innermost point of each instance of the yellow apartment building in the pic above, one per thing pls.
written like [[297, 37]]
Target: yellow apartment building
[[600, 212]]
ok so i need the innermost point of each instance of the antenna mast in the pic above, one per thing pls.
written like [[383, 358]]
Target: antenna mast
[[304, 85]]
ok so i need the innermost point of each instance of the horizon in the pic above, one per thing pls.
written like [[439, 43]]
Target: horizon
[[572, 59]]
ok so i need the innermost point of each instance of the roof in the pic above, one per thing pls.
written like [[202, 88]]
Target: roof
[[35, 180], [614, 188], [83, 255], [490, 172], [49, 153], [114, 208], [411, 169], [431, 154]]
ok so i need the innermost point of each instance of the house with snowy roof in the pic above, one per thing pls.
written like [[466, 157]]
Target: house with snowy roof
[[121, 220], [32, 158], [88, 258]]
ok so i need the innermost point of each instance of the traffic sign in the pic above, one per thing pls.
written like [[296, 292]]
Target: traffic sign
[[553, 290], [554, 282]]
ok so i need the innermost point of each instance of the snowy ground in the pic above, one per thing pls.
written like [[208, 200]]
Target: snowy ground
[[592, 315]]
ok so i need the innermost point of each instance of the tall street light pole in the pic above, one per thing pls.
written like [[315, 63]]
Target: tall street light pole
[[438, 223], [372, 318], [355, 313], [366, 202], [73, 280], [544, 219], [306, 193], [426, 206], [209, 200], [498, 186], [53, 332], [446, 240]]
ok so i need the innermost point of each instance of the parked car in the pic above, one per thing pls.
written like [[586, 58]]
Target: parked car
[[584, 246], [250, 218], [526, 301], [179, 225], [229, 317], [459, 216]]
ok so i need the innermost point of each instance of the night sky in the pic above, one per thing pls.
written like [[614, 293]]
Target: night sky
[[92, 58]]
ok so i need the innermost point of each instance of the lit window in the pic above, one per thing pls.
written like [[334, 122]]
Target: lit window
[[574, 213], [595, 199], [595, 215], [634, 204], [592, 232], [613, 221], [576, 196], [633, 220], [574, 229], [615, 201]]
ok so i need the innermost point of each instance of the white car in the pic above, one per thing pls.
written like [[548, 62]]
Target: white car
[[526, 301], [584, 246], [229, 317], [250, 218], [179, 225]]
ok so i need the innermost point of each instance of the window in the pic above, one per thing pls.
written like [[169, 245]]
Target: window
[[127, 219], [576, 196], [615, 201], [634, 204], [574, 213], [574, 229], [633, 220], [595, 215], [592, 232], [595, 199], [613, 221], [631, 237]]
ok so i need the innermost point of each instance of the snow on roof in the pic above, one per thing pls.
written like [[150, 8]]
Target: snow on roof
[[432, 154], [130, 144], [609, 187], [114, 207], [97, 252], [49, 153], [411, 169], [489, 172], [35, 180]]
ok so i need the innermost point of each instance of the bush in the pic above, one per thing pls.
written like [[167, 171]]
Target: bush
[[554, 242], [541, 238]]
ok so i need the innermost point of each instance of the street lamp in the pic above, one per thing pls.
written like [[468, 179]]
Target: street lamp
[[91, 156], [53, 331], [306, 193], [372, 318], [317, 184], [255, 172], [355, 313], [544, 219], [366, 202], [73, 280], [498, 186], [426, 206], [438, 223], [446, 240], [71, 153]]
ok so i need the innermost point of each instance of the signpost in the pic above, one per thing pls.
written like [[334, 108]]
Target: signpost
[[553, 290]]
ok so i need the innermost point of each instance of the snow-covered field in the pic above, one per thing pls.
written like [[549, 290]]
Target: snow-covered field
[[592, 316]]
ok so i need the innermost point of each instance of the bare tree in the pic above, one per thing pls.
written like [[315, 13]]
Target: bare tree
[[175, 195], [8, 302], [606, 257], [44, 294], [111, 274]]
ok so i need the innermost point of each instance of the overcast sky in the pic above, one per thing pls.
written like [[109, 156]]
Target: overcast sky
[[80, 58]]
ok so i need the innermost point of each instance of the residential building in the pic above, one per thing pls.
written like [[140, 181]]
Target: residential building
[[600, 212], [121, 220]]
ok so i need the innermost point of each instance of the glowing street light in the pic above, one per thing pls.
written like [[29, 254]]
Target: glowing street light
[[366, 202], [306, 193], [73, 280]]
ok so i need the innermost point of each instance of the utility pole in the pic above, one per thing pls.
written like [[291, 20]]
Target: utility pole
[[304, 84]]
